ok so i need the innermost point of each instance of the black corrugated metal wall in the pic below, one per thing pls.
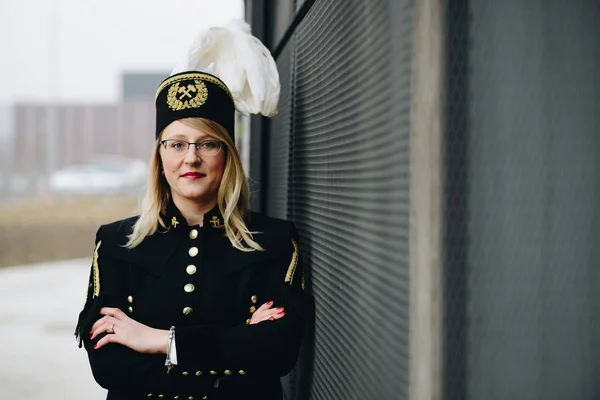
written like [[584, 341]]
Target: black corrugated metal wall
[[521, 262], [337, 165]]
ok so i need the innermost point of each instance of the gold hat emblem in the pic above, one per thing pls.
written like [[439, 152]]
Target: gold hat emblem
[[185, 96]]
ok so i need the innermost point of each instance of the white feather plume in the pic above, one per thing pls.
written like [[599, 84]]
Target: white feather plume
[[241, 61]]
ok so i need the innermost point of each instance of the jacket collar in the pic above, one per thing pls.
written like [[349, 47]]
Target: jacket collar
[[175, 220], [147, 254]]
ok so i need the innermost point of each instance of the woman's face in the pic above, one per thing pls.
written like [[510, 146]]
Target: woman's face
[[190, 175]]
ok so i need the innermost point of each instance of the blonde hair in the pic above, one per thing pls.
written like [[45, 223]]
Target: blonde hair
[[233, 197]]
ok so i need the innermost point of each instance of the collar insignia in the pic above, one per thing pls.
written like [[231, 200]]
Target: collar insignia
[[215, 221]]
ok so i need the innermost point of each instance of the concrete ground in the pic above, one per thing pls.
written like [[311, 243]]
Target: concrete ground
[[39, 305]]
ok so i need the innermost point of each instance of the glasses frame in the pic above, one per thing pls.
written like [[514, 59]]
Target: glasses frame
[[196, 145]]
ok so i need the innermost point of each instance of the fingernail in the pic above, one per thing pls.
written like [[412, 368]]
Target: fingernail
[[96, 346], [281, 313], [281, 308], [270, 303], [271, 318]]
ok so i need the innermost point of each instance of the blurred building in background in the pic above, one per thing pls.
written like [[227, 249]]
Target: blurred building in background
[[48, 137]]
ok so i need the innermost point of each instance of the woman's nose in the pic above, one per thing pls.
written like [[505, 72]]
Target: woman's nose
[[192, 155]]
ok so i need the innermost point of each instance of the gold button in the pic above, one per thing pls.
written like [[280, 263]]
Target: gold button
[[254, 299], [149, 394], [176, 398], [189, 288], [187, 310], [198, 373], [248, 321], [193, 234], [130, 309], [242, 372], [191, 398], [213, 373], [191, 269], [227, 372], [193, 252], [130, 299], [161, 396], [185, 373], [252, 309], [205, 398]]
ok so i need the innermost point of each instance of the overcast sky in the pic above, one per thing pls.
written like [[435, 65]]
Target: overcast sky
[[75, 50]]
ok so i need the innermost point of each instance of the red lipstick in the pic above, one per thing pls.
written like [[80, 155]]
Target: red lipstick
[[192, 175]]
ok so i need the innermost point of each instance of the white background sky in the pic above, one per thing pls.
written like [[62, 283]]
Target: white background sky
[[75, 50]]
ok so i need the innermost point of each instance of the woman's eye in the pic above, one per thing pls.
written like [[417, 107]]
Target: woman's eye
[[177, 145], [210, 145]]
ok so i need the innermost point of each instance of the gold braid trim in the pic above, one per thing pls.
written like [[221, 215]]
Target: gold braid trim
[[193, 76], [96, 271], [289, 277]]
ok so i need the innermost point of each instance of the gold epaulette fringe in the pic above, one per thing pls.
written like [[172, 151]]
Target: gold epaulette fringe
[[289, 276]]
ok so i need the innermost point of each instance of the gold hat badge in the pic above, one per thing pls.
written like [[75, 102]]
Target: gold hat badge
[[181, 97]]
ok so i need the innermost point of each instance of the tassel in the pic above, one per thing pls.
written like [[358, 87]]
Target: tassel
[[87, 317]]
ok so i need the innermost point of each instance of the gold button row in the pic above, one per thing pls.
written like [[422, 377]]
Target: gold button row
[[162, 396], [130, 300], [227, 372], [191, 270], [253, 299]]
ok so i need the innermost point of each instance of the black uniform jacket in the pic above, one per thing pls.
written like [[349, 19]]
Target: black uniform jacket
[[191, 277]]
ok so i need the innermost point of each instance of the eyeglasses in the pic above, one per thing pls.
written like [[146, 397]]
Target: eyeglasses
[[181, 147]]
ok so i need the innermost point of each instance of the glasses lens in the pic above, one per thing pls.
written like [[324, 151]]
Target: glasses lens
[[209, 147], [176, 146]]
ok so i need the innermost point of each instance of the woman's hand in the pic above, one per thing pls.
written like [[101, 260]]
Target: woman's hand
[[266, 313], [128, 332]]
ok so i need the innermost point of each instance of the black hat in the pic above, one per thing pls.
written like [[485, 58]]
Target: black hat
[[194, 94], [226, 69]]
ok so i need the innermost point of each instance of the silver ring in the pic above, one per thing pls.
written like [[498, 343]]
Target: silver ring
[[111, 329]]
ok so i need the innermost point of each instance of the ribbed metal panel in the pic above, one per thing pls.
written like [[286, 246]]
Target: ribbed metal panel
[[279, 140], [522, 201], [349, 192]]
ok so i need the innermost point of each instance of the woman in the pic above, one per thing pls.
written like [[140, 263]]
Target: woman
[[197, 297]]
